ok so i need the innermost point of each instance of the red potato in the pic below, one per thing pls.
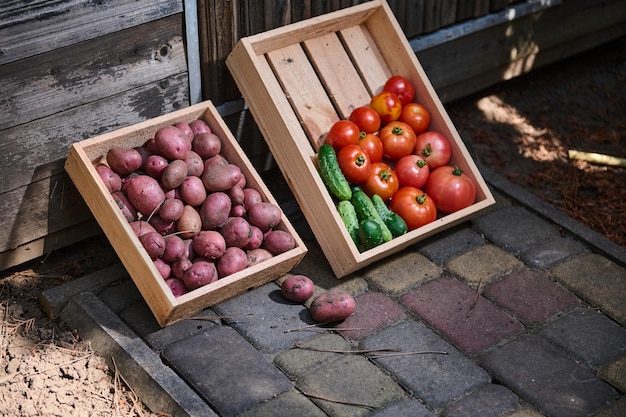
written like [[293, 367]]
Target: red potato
[[256, 256], [255, 240], [238, 211], [209, 244], [206, 144], [171, 209], [145, 153], [213, 161], [124, 160], [189, 223], [195, 164], [199, 126], [199, 274], [189, 253], [243, 181], [165, 270], [153, 243], [251, 197], [264, 215], [163, 227], [180, 266], [145, 194], [141, 227], [278, 241], [221, 177], [172, 143], [150, 145], [177, 287], [174, 248], [236, 232], [234, 260], [111, 179], [236, 194], [297, 288], [155, 165], [192, 191], [174, 174], [122, 201], [332, 306], [215, 210], [186, 129]]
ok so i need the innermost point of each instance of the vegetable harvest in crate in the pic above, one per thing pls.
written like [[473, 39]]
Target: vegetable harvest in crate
[[389, 173]]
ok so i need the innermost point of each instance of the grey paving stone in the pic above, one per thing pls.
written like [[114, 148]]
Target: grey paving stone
[[545, 254], [437, 377], [290, 404], [616, 409], [162, 390], [139, 317], [120, 296], [596, 279], [351, 379], [311, 354], [226, 370], [402, 272], [514, 229], [182, 329], [404, 408], [267, 319], [588, 335], [615, 374], [490, 400], [450, 243], [549, 380]]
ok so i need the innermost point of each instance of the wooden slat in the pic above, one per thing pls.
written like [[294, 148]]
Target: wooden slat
[[295, 73], [28, 29], [337, 72], [71, 76], [413, 18], [432, 15]]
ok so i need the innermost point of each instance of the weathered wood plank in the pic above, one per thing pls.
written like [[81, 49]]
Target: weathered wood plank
[[413, 22], [43, 158], [28, 29], [432, 15], [67, 77]]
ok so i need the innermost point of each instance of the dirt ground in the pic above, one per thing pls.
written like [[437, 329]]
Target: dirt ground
[[521, 129]]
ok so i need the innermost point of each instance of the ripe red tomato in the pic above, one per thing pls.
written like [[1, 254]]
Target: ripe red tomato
[[412, 171], [366, 118], [450, 189], [401, 87], [372, 145], [416, 116], [387, 105], [414, 206], [342, 133], [354, 162], [434, 148], [382, 181], [398, 139]]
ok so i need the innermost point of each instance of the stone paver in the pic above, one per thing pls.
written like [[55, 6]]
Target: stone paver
[[515, 229], [490, 400], [232, 375], [431, 369], [544, 376], [373, 311], [531, 296], [349, 379], [311, 354], [598, 280], [450, 243], [289, 404], [545, 254], [483, 265], [471, 322], [588, 335], [615, 373], [401, 272], [412, 408]]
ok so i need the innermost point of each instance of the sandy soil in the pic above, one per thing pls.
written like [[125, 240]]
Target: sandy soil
[[521, 129]]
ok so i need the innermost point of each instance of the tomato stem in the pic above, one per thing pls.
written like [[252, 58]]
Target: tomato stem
[[421, 163], [457, 171], [421, 199], [360, 160], [427, 151]]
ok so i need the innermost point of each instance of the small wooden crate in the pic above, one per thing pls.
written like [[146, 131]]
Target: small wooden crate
[[167, 309], [301, 78]]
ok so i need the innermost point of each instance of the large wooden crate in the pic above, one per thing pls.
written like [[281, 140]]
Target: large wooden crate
[[166, 308], [301, 78]]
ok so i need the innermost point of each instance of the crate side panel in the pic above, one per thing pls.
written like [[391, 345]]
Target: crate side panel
[[304, 91], [337, 73]]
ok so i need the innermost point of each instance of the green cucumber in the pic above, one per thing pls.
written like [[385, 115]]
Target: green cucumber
[[370, 234], [331, 174], [348, 216], [396, 224], [365, 210]]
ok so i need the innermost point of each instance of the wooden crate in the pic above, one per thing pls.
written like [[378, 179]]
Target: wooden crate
[[165, 307], [301, 78]]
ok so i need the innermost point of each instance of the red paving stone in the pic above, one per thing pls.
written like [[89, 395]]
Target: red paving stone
[[373, 311]]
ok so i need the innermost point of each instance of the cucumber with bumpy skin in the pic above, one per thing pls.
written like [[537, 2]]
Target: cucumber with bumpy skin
[[396, 224], [331, 174], [350, 220], [365, 210]]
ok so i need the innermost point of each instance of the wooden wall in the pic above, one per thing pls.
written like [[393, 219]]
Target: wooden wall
[[71, 70]]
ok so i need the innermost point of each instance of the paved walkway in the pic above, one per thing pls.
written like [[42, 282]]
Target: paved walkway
[[518, 312]]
